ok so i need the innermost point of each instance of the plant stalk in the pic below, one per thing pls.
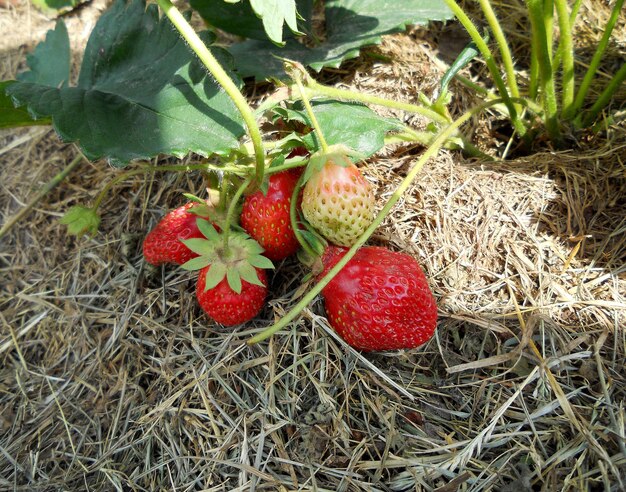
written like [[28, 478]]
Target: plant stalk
[[566, 49], [312, 88], [471, 29], [222, 78], [505, 51], [595, 61], [230, 213], [604, 98], [312, 117], [439, 141], [544, 62]]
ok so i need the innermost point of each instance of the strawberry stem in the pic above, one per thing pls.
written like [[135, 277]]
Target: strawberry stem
[[431, 151], [209, 61], [314, 123], [230, 214], [293, 216]]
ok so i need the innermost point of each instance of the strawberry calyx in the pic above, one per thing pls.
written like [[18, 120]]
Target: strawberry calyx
[[236, 261]]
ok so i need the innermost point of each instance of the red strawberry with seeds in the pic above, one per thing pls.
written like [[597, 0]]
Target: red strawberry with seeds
[[163, 243], [266, 216], [380, 300], [226, 306]]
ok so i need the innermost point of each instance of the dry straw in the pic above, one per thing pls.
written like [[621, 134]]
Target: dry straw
[[111, 378]]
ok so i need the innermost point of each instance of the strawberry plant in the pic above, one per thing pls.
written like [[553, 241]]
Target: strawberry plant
[[143, 91]]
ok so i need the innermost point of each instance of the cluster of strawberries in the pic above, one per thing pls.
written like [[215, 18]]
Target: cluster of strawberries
[[380, 300]]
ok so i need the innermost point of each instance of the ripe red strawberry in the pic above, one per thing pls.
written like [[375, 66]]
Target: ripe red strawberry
[[338, 200], [380, 300], [266, 217], [227, 307], [163, 243]]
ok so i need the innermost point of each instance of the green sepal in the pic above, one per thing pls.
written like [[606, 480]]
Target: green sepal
[[234, 280], [207, 230], [260, 261], [81, 220], [193, 198], [197, 263], [214, 276], [200, 246], [249, 274], [315, 242]]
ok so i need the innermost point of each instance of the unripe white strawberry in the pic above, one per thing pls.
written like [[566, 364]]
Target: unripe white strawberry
[[337, 200]]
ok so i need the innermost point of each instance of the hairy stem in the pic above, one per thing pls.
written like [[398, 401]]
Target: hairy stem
[[604, 98], [230, 213], [595, 61], [491, 64], [566, 49], [222, 78], [313, 89], [544, 62], [293, 217], [505, 51], [312, 117]]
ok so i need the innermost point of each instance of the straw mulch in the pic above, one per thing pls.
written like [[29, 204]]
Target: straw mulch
[[111, 377]]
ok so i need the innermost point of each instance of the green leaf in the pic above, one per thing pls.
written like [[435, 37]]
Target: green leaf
[[350, 25], [214, 276], [257, 19], [200, 246], [234, 280], [197, 263], [466, 56], [10, 116], [141, 92], [81, 220], [260, 262], [352, 124], [249, 274], [207, 230], [50, 62], [274, 14]]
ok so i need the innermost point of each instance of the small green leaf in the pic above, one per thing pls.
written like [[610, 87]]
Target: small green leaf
[[466, 56], [249, 274], [197, 263], [50, 62], [200, 246], [214, 276], [81, 220], [260, 261], [207, 230], [234, 280]]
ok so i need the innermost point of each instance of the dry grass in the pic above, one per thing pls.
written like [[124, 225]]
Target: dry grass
[[111, 378]]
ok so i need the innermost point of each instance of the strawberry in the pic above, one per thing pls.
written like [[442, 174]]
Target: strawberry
[[226, 306], [380, 300], [266, 216], [232, 284], [337, 200], [163, 243]]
